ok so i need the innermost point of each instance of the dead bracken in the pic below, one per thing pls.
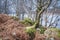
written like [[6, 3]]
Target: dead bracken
[[11, 29]]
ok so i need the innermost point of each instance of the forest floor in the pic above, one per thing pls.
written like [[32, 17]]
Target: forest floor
[[11, 29]]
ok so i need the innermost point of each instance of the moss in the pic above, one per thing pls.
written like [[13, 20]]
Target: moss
[[57, 30], [15, 18], [27, 21], [58, 33], [31, 33], [42, 30]]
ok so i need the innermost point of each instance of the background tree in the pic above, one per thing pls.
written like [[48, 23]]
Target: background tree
[[42, 5], [6, 6], [50, 20]]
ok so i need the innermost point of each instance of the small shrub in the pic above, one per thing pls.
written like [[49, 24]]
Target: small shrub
[[27, 22], [31, 33], [42, 30]]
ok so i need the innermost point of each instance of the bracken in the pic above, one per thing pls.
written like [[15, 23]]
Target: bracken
[[11, 29]]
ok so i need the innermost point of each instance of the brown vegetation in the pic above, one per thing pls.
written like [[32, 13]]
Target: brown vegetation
[[11, 29], [39, 36]]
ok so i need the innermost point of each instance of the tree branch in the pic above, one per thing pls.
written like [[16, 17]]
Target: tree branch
[[41, 11]]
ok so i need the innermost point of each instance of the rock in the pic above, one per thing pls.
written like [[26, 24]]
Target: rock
[[51, 32]]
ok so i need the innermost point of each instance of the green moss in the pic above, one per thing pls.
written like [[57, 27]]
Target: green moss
[[42, 30], [15, 18], [31, 33], [58, 33], [27, 21], [57, 30]]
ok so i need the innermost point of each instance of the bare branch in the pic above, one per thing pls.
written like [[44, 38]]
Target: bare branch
[[54, 21], [41, 11], [25, 9], [51, 20]]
